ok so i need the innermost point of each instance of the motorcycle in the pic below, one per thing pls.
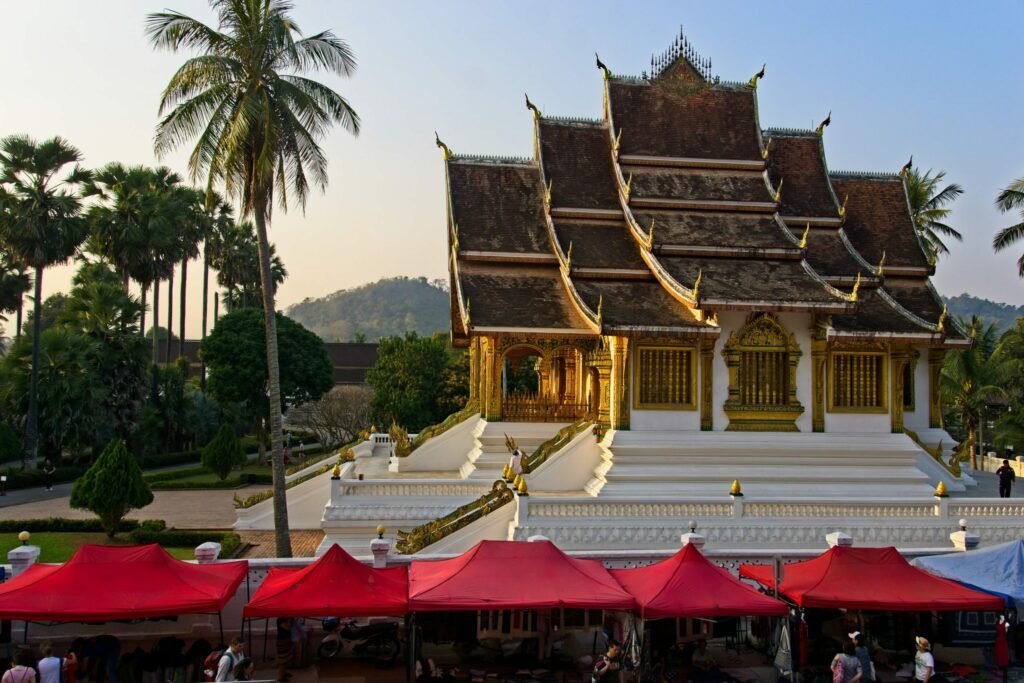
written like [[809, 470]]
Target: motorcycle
[[374, 641]]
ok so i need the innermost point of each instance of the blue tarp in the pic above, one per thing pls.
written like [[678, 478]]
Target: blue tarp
[[998, 569]]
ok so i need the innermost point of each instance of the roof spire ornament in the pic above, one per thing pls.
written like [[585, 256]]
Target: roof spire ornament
[[803, 240], [778, 191], [842, 209], [758, 76], [618, 140], [547, 193], [602, 67], [445, 151], [650, 235], [881, 265], [941, 326], [467, 313], [530, 105], [696, 285], [767, 147], [568, 257], [629, 187], [820, 130], [856, 288], [907, 166], [600, 309], [455, 238]]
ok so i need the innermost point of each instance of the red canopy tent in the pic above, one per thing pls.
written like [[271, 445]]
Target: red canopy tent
[[497, 575], [335, 585], [688, 585], [871, 579], [106, 583]]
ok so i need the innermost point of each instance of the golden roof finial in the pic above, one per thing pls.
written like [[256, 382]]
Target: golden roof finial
[[467, 313], [842, 209], [523, 490], [547, 192], [803, 240], [600, 309], [856, 288], [696, 284], [568, 256], [759, 75], [602, 67], [650, 235], [445, 151], [455, 237], [336, 471], [767, 146], [881, 265], [941, 327], [907, 166], [820, 130], [629, 186], [532, 107], [778, 191], [618, 141]]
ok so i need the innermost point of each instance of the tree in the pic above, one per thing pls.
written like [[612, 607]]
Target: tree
[[50, 313], [1011, 199], [237, 261], [234, 353], [406, 378], [14, 283], [258, 124], [42, 225], [224, 452], [112, 487], [929, 206], [970, 379], [337, 416], [221, 218]]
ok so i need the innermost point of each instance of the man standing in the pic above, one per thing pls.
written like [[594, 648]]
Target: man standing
[[1006, 478], [228, 660]]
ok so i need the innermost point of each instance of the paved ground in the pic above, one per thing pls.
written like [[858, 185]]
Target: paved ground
[[304, 543], [988, 487]]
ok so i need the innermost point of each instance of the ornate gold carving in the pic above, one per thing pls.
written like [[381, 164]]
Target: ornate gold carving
[[759, 75], [410, 542], [820, 130], [707, 407], [778, 191], [532, 107], [803, 240], [446, 153], [900, 360], [767, 148], [666, 378], [620, 390], [819, 357]]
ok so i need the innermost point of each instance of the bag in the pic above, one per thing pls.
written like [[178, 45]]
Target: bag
[[599, 665], [212, 663]]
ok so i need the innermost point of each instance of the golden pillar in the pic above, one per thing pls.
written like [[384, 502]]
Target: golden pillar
[[819, 357], [936, 357], [620, 383], [900, 358], [491, 396], [474, 369], [707, 385]]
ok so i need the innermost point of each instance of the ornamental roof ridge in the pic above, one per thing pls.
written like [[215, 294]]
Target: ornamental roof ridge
[[493, 159], [867, 175], [732, 85], [802, 132], [573, 120], [632, 80]]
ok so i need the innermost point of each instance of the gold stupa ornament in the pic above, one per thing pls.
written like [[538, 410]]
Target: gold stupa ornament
[[940, 490], [523, 491], [736, 489], [336, 472]]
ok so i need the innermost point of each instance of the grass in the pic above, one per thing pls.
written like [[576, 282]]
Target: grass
[[60, 546]]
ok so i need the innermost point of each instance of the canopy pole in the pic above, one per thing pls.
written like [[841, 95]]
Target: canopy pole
[[410, 643], [220, 625], [24, 634], [266, 636]]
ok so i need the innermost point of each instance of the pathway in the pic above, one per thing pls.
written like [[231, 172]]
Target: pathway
[[304, 543]]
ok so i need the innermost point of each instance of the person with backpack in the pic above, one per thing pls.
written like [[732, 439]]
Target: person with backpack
[[22, 671], [608, 667], [49, 666], [861, 652], [220, 664]]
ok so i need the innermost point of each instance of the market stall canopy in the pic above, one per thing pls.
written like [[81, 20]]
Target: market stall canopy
[[871, 579], [998, 569], [688, 585], [336, 585], [107, 583], [495, 575]]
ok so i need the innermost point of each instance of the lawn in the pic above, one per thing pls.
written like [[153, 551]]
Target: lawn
[[196, 476], [59, 546]]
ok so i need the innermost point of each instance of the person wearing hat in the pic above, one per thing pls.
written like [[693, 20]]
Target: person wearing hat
[[924, 662], [861, 652]]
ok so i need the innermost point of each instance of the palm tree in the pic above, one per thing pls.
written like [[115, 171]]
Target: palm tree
[[42, 225], [258, 123], [929, 207], [1008, 200], [237, 262], [220, 219]]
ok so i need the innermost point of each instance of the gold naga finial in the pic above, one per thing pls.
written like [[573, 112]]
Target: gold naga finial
[[568, 256], [629, 186], [532, 107], [600, 309], [467, 312], [618, 140], [756, 77], [856, 288], [455, 237], [778, 191], [803, 240], [907, 166], [767, 146], [602, 67], [547, 192], [941, 327], [696, 284], [445, 151], [842, 209], [880, 271], [650, 235], [820, 130]]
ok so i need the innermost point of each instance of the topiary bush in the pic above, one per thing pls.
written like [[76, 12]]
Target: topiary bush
[[223, 453], [112, 487]]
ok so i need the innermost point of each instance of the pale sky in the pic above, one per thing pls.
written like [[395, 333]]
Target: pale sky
[[939, 80]]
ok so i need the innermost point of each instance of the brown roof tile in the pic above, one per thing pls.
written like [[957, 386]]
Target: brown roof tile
[[799, 160], [498, 207], [635, 303], [874, 314], [878, 219], [698, 184], [600, 244], [749, 280], [829, 256], [917, 297], [708, 123], [514, 295], [578, 162], [709, 229]]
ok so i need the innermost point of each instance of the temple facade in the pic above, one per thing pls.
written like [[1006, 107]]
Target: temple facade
[[673, 265]]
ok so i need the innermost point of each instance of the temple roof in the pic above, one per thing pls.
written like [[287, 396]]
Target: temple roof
[[876, 314], [578, 163], [497, 207], [698, 184], [599, 244], [798, 160], [636, 305], [829, 255], [715, 229]]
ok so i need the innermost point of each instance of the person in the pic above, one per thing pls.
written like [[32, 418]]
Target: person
[[861, 652], [244, 669], [22, 671], [284, 647], [924, 662], [703, 662], [516, 462], [49, 666], [48, 471], [845, 666], [229, 659], [1006, 478], [608, 667]]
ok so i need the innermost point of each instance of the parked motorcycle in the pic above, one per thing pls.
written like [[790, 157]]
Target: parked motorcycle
[[374, 641]]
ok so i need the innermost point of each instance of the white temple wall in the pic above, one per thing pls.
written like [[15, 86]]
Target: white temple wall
[[917, 419], [799, 324]]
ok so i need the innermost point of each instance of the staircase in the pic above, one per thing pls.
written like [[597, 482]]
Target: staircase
[[489, 457]]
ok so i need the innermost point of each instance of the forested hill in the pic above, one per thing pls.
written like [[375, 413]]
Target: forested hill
[[384, 308], [1003, 315]]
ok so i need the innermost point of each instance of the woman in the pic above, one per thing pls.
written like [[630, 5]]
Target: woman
[[924, 662], [860, 649], [845, 666], [243, 670], [22, 671]]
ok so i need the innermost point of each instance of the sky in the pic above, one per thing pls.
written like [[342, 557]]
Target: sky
[[939, 80]]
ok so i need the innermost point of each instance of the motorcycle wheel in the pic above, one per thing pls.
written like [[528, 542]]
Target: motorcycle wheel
[[329, 649], [384, 650]]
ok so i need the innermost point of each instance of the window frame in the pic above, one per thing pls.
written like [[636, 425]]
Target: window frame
[[883, 390], [691, 351]]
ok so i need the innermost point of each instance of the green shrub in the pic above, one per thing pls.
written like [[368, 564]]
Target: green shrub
[[170, 459], [10, 444], [23, 479], [64, 525], [187, 538], [112, 487], [223, 453]]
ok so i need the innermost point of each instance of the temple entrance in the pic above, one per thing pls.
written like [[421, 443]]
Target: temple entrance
[[539, 386]]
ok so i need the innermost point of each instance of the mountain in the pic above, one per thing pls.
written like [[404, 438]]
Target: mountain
[[1003, 315], [384, 308]]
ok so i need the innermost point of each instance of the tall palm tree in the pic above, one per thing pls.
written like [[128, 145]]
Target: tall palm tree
[[258, 123], [42, 225], [237, 261], [220, 219], [930, 207], [1010, 199]]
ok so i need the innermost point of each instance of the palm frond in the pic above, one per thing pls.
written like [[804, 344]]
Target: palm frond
[[1008, 237], [1012, 197]]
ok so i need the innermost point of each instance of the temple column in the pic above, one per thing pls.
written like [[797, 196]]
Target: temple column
[[707, 385], [936, 357], [474, 369], [491, 398], [819, 357], [620, 383], [900, 358], [545, 387], [603, 365]]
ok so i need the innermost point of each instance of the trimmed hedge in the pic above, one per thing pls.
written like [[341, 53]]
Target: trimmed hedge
[[62, 524], [243, 479], [169, 459], [186, 538]]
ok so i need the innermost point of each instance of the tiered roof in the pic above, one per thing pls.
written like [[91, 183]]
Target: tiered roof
[[674, 206]]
